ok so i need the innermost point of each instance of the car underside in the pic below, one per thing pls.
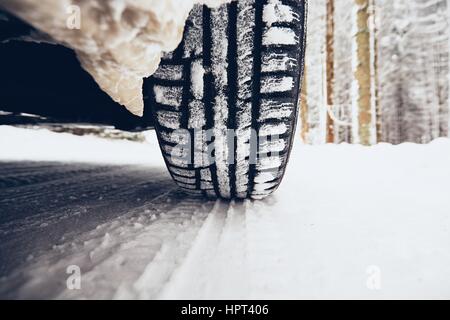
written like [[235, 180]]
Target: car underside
[[46, 80]]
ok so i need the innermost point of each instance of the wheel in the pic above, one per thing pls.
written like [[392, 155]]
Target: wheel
[[225, 101]]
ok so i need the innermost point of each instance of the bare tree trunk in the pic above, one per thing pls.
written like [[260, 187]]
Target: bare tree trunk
[[448, 83], [363, 73], [375, 75], [304, 108], [330, 69]]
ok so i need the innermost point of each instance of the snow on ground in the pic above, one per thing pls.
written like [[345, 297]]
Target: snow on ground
[[348, 222], [43, 145]]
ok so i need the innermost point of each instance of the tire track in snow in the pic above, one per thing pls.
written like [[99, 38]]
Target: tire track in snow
[[70, 196], [69, 180], [150, 251], [115, 256], [272, 270], [241, 252], [171, 255], [60, 210], [169, 245], [216, 259], [27, 174]]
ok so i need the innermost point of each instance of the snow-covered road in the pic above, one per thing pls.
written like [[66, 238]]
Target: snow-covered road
[[348, 222]]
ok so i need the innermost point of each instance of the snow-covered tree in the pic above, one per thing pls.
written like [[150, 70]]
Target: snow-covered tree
[[343, 75], [378, 70], [393, 17], [329, 45], [315, 98], [425, 72], [413, 69]]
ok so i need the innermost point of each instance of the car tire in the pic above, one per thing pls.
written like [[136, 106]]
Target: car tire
[[235, 79]]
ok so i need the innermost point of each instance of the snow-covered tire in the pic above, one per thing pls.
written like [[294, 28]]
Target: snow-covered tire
[[239, 67]]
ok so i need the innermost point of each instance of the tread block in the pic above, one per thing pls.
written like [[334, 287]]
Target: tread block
[[277, 84], [169, 96], [280, 36], [169, 72]]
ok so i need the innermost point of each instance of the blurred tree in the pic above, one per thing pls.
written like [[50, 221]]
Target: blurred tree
[[304, 107], [330, 70], [378, 71], [363, 80], [343, 75], [316, 114]]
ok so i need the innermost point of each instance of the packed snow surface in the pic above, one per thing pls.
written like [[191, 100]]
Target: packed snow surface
[[118, 42], [347, 222]]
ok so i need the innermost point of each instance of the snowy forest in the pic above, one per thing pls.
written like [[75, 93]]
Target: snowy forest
[[376, 71]]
